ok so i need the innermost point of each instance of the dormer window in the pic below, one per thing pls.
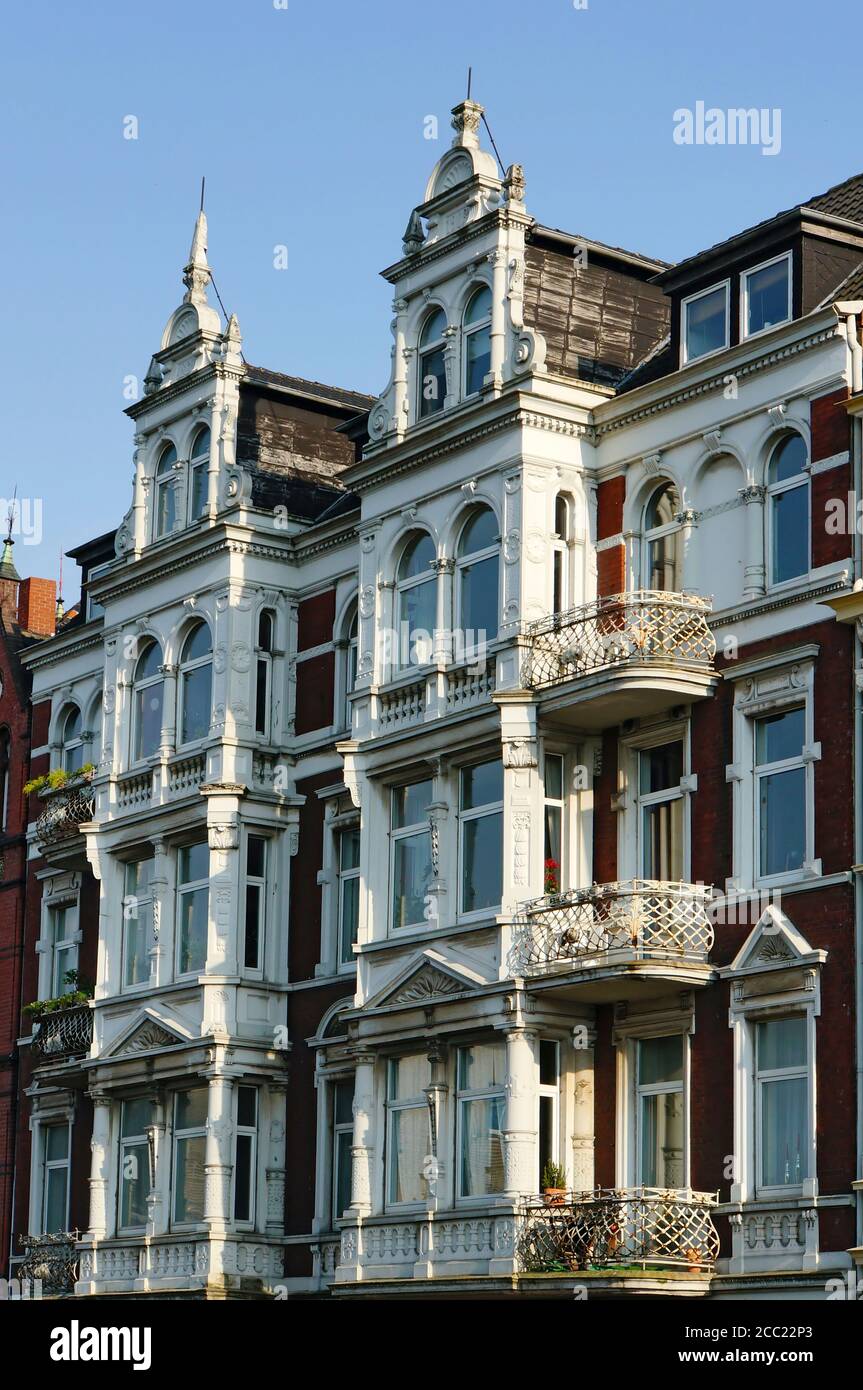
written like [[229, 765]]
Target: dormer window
[[199, 464], [766, 292], [705, 327], [432, 372], [166, 492], [477, 341]]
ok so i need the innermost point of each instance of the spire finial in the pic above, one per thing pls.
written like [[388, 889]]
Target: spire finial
[[197, 275], [7, 563]]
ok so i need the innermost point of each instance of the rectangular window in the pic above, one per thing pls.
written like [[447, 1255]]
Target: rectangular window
[[660, 1154], [134, 1181], [782, 1102], [245, 1154], [343, 1138], [705, 323], [255, 904], [766, 296], [190, 1129], [780, 790], [55, 1178], [554, 806], [661, 804], [137, 922], [480, 1102], [408, 1139], [63, 928], [410, 849], [193, 907], [481, 835], [549, 1104], [349, 892]]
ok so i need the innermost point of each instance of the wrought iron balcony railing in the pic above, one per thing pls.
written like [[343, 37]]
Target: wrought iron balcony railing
[[52, 1260], [637, 918], [65, 810], [620, 1227], [644, 626], [63, 1033]]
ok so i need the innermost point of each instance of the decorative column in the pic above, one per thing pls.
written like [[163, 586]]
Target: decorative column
[[521, 828], [443, 651], [139, 497], [581, 1175], [497, 260], [754, 570], [213, 462], [157, 1215], [451, 365], [361, 1150], [519, 1121], [168, 739], [218, 1165], [276, 1173], [400, 368], [688, 522], [99, 1164]]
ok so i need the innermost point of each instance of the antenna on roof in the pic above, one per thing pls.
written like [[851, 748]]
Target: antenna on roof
[[203, 184], [61, 608], [10, 519], [469, 73], [493, 145]]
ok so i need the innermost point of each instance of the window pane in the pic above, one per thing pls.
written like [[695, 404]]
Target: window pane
[[664, 563], [789, 459], [548, 1063], [780, 736], [139, 878], [350, 915], [56, 1142], [252, 939], [554, 776], [477, 359], [782, 810], [410, 804], [342, 1160], [553, 840], [433, 328], [137, 1114], [197, 686], [247, 1106], [190, 1108], [56, 1188], [199, 491], [408, 1077], [412, 874], [243, 1178], [481, 784], [409, 1147], [432, 382], [73, 758], [194, 912], [148, 720], [482, 862], [479, 307], [261, 688], [343, 1104], [782, 1043], [134, 1183], [481, 1146], [195, 863], [417, 613], [138, 938], [706, 324], [660, 768], [546, 1134], [167, 508], [481, 1067], [784, 1125], [417, 555], [767, 295], [189, 1180], [662, 851], [479, 601], [349, 849], [790, 533], [660, 1059], [256, 847], [662, 1140]]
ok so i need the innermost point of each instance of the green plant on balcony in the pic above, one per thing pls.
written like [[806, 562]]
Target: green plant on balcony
[[78, 993], [554, 1184], [58, 779]]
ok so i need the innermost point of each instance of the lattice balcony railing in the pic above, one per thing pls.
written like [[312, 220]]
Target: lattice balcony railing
[[619, 1227], [64, 811], [638, 917], [52, 1259], [642, 626], [64, 1033]]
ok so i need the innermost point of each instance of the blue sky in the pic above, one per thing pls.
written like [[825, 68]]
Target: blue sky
[[308, 122]]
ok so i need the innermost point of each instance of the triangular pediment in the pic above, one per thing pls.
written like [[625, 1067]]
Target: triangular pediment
[[427, 978], [773, 944], [147, 1033]]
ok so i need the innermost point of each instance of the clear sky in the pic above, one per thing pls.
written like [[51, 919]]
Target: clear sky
[[308, 119]]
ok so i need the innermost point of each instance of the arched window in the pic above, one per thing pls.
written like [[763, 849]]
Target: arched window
[[196, 684], [477, 341], [264, 670], [560, 543], [417, 601], [477, 579], [432, 372], [4, 777], [148, 691], [166, 492], [199, 464], [663, 556], [788, 491], [72, 741]]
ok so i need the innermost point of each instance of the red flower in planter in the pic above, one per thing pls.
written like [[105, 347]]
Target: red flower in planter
[[552, 876]]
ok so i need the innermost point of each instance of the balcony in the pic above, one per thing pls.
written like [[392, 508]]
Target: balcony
[[615, 940], [51, 1262], [621, 657], [63, 1033], [58, 824], [620, 1229]]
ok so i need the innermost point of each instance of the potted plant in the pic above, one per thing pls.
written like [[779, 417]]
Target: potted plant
[[77, 993], [59, 778], [554, 1188], [552, 877]]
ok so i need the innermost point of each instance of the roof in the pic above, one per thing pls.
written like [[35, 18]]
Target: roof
[[539, 230], [355, 401], [849, 288]]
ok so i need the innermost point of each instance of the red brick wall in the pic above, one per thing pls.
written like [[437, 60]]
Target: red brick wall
[[609, 507], [316, 676], [611, 571], [37, 606], [315, 618]]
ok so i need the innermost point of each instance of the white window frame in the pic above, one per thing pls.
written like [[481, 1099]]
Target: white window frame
[[146, 900], [259, 881], [764, 686], [468, 561], [126, 1141], [657, 533], [685, 359], [659, 1088], [177, 1137], [194, 886], [67, 745], [198, 463], [185, 669], [744, 295], [547, 1091], [402, 833], [339, 1129], [68, 944], [392, 1106], [468, 331], [490, 808], [759, 1080], [630, 803], [772, 491], [425, 351], [169, 479], [561, 553], [53, 1165], [463, 1097], [246, 1223], [403, 586], [628, 1032], [344, 876], [137, 686], [559, 804]]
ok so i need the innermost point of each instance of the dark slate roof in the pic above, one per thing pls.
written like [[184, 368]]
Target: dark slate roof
[[354, 401], [849, 288]]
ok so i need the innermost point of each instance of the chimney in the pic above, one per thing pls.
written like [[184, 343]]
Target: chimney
[[37, 607]]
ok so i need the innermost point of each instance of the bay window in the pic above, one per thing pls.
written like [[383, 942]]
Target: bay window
[[193, 907], [245, 1153], [481, 836], [408, 1134], [190, 1131], [480, 1100], [410, 852], [134, 1178], [137, 922]]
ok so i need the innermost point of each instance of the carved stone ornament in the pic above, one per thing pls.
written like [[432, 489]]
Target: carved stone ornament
[[519, 752], [223, 836], [427, 983], [150, 1035]]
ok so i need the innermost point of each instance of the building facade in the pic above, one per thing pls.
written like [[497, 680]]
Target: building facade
[[473, 807]]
